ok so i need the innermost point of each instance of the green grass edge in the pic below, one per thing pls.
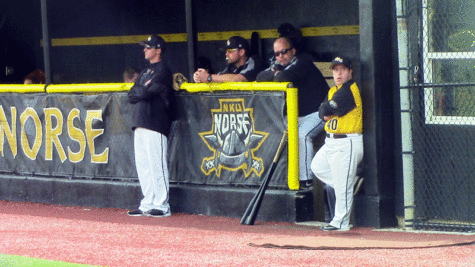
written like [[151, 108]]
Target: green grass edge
[[14, 260]]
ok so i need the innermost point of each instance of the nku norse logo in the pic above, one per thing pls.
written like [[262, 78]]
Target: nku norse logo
[[233, 140]]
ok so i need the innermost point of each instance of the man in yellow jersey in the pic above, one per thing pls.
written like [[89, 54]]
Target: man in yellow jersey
[[336, 162]]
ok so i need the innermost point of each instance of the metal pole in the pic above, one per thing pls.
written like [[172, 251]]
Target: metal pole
[[46, 41], [406, 117], [190, 34]]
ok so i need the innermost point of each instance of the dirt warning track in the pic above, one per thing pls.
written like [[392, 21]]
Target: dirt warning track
[[108, 237]]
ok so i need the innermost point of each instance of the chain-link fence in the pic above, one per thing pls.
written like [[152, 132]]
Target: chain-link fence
[[441, 45]]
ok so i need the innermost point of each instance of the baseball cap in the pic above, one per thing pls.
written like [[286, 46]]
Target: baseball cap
[[154, 41], [237, 42], [341, 61]]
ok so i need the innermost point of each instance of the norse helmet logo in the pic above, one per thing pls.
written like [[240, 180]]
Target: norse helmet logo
[[233, 140]]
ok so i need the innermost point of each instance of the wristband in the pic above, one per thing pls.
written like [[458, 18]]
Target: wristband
[[209, 78]]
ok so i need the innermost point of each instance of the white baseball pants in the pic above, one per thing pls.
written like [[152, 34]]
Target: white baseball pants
[[152, 169], [336, 164]]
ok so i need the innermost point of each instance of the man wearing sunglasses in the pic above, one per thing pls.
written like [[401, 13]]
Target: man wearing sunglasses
[[151, 97], [241, 67], [288, 66]]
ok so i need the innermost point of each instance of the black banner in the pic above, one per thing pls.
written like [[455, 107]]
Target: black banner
[[67, 135], [227, 138]]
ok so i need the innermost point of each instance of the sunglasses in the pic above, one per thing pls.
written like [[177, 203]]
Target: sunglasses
[[283, 52], [230, 50]]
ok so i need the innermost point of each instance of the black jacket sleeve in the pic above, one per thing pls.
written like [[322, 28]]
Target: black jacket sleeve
[[294, 71], [324, 109], [135, 93], [341, 103], [266, 75], [158, 85]]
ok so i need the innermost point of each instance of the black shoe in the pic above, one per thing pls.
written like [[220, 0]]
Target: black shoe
[[357, 187], [306, 184], [332, 228], [135, 213], [157, 213]]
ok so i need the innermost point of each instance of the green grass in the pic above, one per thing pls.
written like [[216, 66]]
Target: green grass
[[10, 260]]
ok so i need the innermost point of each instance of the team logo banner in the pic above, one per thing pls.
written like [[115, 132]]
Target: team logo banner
[[233, 140], [227, 138]]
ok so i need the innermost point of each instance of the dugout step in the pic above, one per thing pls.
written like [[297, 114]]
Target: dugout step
[[277, 205]]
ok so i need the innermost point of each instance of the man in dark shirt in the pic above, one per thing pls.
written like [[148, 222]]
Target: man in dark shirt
[[240, 68], [151, 96], [312, 90]]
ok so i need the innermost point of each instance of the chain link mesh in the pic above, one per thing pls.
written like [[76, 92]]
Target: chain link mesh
[[441, 45]]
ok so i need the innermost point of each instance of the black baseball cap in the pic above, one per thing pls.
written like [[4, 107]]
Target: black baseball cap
[[154, 41], [237, 42], [341, 61]]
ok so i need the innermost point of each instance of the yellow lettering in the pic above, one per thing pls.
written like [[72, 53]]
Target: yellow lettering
[[9, 132], [77, 135], [92, 134], [30, 152], [51, 134]]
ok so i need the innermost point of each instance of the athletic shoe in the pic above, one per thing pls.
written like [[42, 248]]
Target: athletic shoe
[[333, 228], [157, 213], [357, 187], [306, 184], [135, 213]]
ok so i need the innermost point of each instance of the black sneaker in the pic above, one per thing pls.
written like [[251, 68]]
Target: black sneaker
[[333, 228], [135, 213], [157, 213]]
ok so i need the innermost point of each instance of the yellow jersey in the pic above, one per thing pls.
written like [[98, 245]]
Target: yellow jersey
[[346, 108]]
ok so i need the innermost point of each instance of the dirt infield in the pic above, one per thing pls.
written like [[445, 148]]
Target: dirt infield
[[108, 237]]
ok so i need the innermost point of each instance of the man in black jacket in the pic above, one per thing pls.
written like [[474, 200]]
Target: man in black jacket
[[151, 95], [288, 66]]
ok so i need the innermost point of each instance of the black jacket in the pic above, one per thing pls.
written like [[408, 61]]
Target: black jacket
[[151, 96], [312, 86]]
